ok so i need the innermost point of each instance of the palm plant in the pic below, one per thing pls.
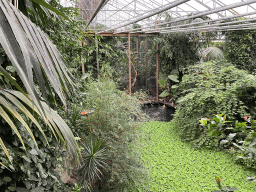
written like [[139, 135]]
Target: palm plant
[[212, 53], [34, 57], [94, 157]]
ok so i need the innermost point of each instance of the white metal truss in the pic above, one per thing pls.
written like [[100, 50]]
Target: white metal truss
[[166, 16]]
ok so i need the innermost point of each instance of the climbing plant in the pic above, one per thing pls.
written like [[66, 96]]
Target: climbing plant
[[240, 49]]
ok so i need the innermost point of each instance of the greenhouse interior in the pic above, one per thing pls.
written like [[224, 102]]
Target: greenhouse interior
[[127, 95]]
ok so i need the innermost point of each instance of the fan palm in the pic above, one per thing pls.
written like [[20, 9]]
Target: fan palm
[[33, 56], [212, 53]]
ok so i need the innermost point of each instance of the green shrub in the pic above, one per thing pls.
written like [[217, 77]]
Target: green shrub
[[33, 169], [114, 120], [213, 88], [231, 135]]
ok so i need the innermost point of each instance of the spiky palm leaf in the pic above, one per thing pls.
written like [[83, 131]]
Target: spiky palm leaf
[[39, 10], [212, 53], [29, 49], [94, 157], [10, 100], [34, 56]]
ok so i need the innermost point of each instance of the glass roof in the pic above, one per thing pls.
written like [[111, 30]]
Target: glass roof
[[166, 16]]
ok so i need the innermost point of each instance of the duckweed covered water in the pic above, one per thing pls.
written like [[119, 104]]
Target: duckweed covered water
[[175, 166]]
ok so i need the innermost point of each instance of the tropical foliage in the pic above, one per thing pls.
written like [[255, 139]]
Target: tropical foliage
[[236, 135], [33, 56], [111, 57], [112, 121], [240, 49], [213, 88], [177, 51], [33, 169]]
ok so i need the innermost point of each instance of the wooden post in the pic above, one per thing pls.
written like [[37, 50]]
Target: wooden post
[[83, 70], [146, 65], [97, 53], [129, 58], [157, 71], [137, 60]]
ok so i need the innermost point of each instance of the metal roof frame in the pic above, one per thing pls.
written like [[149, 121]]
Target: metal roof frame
[[119, 16]]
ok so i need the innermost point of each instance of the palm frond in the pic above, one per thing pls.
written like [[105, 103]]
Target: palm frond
[[29, 49], [212, 53], [33, 55], [49, 7], [94, 157], [57, 125]]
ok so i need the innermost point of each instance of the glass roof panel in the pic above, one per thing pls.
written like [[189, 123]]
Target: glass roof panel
[[165, 15]]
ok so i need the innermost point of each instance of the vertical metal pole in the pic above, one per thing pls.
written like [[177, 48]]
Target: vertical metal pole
[[83, 70], [129, 58], [97, 53], [157, 71]]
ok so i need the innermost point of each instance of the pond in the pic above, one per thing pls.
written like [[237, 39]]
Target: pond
[[158, 111]]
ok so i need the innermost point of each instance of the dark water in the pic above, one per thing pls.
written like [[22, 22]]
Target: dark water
[[159, 112]]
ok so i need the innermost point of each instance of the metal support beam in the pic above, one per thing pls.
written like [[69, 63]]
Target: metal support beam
[[129, 58], [225, 28], [207, 22], [203, 4], [175, 4], [97, 10], [200, 14], [124, 34], [157, 71]]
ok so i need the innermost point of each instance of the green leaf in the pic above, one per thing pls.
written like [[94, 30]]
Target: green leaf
[[10, 69], [33, 152], [174, 78], [12, 110], [12, 188], [162, 82], [23, 109], [7, 179], [84, 76], [26, 158], [222, 142], [9, 77], [164, 93], [6, 117], [42, 171], [174, 86], [46, 5]]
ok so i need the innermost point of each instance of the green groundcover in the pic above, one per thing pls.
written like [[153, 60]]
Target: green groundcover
[[176, 166]]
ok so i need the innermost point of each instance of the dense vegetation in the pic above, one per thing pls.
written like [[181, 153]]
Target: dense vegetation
[[213, 88], [112, 123], [108, 148], [177, 51], [240, 49]]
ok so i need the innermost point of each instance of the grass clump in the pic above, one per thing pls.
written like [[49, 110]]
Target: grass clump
[[176, 166]]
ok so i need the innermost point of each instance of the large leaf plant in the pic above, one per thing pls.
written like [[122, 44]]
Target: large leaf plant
[[36, 61]]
